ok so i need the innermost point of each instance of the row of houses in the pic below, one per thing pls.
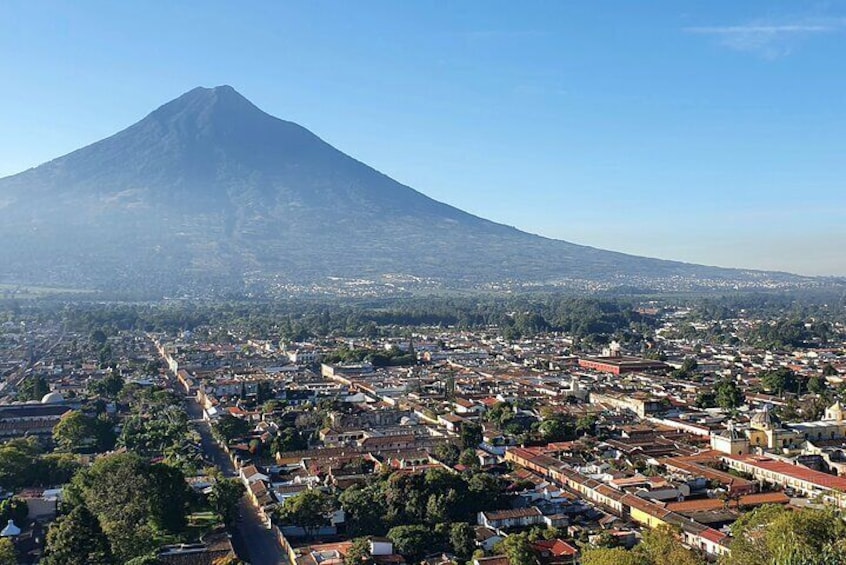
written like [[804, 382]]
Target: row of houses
[[627, 506]]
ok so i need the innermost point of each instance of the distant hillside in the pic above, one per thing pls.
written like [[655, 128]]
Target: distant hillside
[[208, 194]]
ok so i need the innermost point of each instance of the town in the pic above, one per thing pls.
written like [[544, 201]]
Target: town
[[576, 431]]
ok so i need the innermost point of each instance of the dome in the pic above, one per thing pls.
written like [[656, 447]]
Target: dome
[[10, 531], [834, 412], [52, 398], [762, 420]]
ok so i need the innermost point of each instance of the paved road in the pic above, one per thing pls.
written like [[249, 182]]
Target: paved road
[[252, 537]]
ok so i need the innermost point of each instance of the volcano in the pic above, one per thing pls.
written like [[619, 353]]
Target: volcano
[[209, 194]]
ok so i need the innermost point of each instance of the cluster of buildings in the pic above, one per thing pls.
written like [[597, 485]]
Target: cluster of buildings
[[636, 448]]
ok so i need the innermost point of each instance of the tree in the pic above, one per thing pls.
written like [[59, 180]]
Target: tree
[[729, 395], [110, 386], [689, 365], [150, 559], [169, 498], [471, 435], [468, 458], [228, 428], [518, 549], [817, 385], [77, 539], [556, 428], [81, 433], [413, 542], [760, 536], [613, 556], [706, 399], [8, 556], [365, 509], [224, 499], [586, 424], [289, 439], [447, 453], [309, 509], [130, 499], [359, 553], [662, 547], [13, 509], [486, 492], [33, 388], [462, 539], [781, 380]]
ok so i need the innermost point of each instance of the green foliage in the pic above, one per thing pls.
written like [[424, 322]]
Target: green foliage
[[22, 465], [781, 380], [359, 553], [78, 432], [462, 540], [471, 435], [518, 548], [612, 556], [8, 556], [468, 458], [228, 428], [289, 439], [108, 387], [447, 453], [774, 534], [310, 509], [430, 498], [817, 385], [13, 509], [413, 541], [133, 501], [152, 436], [379, 358], [557, 427], [706, 399], [224, 498], [33, 388], [365, 508], [659, 547], [77, 539], [729, 395], [150, 559]]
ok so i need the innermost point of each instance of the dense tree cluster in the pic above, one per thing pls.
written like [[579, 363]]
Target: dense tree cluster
[[775, 534], [134, 502], [427, 499], [23, 464], [78, 432], [660, 546]]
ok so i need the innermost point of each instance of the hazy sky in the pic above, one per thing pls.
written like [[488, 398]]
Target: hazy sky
[[710, 131]]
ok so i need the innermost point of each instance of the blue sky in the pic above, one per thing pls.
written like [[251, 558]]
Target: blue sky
[[709, 131]]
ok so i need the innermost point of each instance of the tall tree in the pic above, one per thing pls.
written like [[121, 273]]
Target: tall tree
[[471, 435], [224, 498], [77, 539], [413, 541], [309, 509], [729, 395], [518, 549], [462, 539], [129, 498]]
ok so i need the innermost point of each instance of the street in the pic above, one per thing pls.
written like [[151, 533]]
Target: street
[[252, 540]]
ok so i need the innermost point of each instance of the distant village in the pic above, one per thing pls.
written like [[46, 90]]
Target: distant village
[[354, 449]]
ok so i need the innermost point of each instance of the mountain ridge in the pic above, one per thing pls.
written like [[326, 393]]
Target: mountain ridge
[[213, 191]]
